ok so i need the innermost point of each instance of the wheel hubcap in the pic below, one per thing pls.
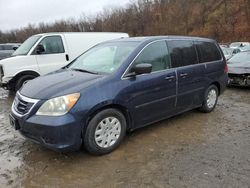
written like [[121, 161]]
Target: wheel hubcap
[[211, 98], [107, 132]]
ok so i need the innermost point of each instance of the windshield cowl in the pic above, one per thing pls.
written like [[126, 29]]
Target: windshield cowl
[[82, 70]]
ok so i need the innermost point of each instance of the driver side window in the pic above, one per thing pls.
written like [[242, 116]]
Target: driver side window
[[155, 54], [52, 45]]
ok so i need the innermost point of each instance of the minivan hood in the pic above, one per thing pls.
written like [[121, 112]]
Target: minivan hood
[[60, 83]]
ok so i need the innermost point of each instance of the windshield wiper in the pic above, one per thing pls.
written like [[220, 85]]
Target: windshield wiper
[[83, 70]]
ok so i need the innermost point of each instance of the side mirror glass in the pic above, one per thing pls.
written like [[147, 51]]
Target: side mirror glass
[[40, 49]]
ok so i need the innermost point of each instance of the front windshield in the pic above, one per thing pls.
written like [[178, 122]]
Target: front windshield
[[227, 51], [240, 57], [26, 46], [104, 58]]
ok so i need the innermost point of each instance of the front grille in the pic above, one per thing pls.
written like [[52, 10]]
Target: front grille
[[22, 105]]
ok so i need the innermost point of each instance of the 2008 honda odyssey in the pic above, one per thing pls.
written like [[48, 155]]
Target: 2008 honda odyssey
[[118, 86]]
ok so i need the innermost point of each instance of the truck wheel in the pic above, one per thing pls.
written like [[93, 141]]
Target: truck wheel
[[105, 132], [210, 100], [23, 80]]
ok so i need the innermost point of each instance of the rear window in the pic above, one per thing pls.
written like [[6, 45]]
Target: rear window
[[208, 51], [182, 53]]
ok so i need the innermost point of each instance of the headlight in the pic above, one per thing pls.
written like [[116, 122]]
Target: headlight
[[58, 106]]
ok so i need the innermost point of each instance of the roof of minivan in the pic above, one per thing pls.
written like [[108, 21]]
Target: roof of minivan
[[152, 38]]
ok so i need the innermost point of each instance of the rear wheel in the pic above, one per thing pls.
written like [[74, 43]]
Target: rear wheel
[[210, 100], [22, 81], [105, 132]]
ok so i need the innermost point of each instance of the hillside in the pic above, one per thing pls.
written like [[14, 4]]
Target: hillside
[[223, 20]]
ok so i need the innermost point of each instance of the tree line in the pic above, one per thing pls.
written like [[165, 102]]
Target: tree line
[[223, 20]]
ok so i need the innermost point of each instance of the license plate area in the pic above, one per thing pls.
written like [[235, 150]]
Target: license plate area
[[14, 123]]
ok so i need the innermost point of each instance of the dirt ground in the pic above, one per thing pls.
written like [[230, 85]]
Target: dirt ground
[[190, 150]]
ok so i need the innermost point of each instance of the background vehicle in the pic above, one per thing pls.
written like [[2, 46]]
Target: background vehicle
[[239, 69], [228, 52], [6, 50], [44, 53], [118, 86], [239, 44], [245, 48], [224, 45]]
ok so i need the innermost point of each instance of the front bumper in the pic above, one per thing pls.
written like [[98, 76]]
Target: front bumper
[[239, 79], [57, 133]]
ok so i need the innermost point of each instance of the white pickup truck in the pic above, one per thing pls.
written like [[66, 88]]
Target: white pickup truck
[[47, 52]]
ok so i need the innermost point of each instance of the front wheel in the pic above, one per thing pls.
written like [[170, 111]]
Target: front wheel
[[22, 81], [105, 132], [210, 100]]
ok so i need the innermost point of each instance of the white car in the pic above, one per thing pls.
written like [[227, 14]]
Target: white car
[[239, 44], [47, 52], [6, 50]]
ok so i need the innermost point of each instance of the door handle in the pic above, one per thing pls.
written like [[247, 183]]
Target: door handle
[[169, 77], [183, 75], [67, 57]]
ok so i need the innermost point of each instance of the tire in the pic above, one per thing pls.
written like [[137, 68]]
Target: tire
[[102, 132], [208, 105], [22, 80]]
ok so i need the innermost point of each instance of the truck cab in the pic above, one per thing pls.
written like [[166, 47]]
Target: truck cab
[[47, 52]]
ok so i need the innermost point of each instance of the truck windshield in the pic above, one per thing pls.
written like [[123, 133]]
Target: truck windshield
[[104, 58], [26, 46]]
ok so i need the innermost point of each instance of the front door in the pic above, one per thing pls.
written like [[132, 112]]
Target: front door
[[152, 96], [54, 56]]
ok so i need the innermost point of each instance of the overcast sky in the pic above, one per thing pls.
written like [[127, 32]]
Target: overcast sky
[[19, 13]]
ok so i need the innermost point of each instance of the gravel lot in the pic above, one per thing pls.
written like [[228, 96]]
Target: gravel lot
[[190, 150]]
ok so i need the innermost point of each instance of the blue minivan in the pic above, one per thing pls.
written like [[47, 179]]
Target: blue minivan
[[118, 86]]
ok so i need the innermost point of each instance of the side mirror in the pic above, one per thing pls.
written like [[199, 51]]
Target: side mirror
[[143, 68], [14, 48], [40, 49]]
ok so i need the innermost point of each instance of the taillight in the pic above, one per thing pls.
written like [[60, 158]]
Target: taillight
[[226, 69]]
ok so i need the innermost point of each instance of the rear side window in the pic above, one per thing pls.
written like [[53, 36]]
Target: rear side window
[[52, 45], [155, 54], [182, 53], [208, 51]]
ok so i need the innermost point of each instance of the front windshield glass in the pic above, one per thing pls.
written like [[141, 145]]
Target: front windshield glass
[[26, 46], [240, 57], [227, 51], [104, 58]]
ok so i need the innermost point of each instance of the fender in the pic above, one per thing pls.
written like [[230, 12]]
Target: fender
[[111, 104], [20, 73]]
